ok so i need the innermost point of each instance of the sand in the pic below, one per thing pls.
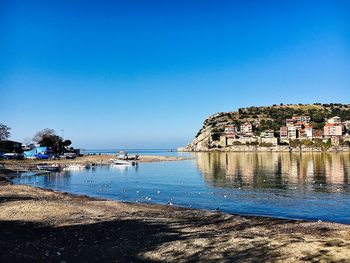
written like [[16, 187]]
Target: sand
[[43, 225]]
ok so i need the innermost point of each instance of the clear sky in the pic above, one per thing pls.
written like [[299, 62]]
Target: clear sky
[[145, 74]]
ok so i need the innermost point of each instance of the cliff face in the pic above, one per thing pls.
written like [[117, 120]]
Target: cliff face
[[270, 117]]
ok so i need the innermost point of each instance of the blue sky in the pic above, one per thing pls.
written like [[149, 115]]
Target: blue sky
[[145, 74]]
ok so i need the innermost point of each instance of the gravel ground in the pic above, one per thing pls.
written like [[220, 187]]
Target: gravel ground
[[42, 225]]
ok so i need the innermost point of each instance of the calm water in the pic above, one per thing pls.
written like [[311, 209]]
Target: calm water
[[299, 186]]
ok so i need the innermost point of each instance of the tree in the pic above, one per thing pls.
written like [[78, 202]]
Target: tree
[[66, 143], [4, 132], [52, 141], [41, 134]]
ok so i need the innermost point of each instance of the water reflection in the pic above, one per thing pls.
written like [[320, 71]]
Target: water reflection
[[275, 170], [301, 186]]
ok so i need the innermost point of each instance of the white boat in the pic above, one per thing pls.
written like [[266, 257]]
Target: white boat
[[125, 156], [49, 168], [122, 162]]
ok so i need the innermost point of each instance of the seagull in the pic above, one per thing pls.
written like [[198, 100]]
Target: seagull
[[190, 206], [170, 203], [158, 192], [225, 196], [218, 209], [172, 199], [137, 192]]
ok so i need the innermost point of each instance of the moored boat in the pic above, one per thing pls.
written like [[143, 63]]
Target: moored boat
[[52, 168]]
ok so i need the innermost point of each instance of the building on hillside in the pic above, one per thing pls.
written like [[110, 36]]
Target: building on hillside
[[230, 131], [308, 131], [292, 132], [290, 122], [334, 120], [299, 125], [332, 130], [302, 134], [246, 129], [302, 119], [283, 133], [267, 134], [317, 134]]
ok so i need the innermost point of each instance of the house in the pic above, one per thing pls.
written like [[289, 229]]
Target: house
[[302, 134], [292, 132], [267, 134], [331, 130], [290, 122], [230, 131], [283, 133], [317, 134], [299, 125], [8, 146], [302, 119], [308, 131], [334, 120], [246, 129]]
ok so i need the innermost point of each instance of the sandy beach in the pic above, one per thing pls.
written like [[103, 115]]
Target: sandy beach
[[44, 225]]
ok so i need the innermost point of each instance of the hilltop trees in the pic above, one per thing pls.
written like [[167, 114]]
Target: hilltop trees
[[4, 132]]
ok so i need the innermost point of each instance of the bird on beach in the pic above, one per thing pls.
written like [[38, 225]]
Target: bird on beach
[[170, 203], [217, 209], [172, 199], [137, 192]]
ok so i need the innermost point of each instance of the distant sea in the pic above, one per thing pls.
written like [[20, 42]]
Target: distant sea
[[163, 152]]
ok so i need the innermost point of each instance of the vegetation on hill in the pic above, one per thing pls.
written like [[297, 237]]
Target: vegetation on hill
[[273, 117]]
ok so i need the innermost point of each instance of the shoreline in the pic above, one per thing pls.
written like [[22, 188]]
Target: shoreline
[[37, 222], [103, 159]]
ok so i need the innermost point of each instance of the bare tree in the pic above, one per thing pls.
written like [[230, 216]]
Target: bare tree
[[4, 132], [41, 134], [27, 140]]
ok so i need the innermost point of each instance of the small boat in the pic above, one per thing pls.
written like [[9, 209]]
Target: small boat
[[125, 156], [53, 168], [122, 162]]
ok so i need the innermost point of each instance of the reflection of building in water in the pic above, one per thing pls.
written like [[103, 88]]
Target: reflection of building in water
[[335, 170], [280, 168]]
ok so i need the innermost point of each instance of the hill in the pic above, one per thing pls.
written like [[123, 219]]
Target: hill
[[266, 117]]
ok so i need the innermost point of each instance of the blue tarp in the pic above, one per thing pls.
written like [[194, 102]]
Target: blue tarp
[[29, 153], [38, 150]]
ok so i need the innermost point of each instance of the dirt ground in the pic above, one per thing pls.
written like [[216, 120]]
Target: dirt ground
[[43, 225]]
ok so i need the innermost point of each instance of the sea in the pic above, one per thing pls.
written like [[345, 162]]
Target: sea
[[310, 186]]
